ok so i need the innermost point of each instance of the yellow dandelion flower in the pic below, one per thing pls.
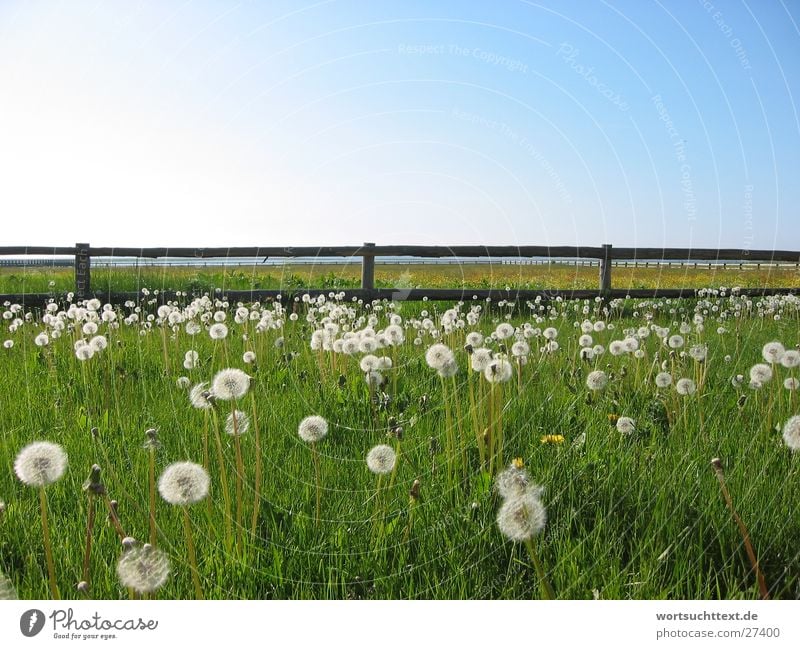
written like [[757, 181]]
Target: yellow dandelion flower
[[552, 439]]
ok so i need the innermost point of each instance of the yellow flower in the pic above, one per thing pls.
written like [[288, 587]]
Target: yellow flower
[[612, 419], [552, 439], [518, 463]]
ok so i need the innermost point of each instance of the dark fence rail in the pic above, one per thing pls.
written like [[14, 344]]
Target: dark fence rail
[[606, 256]]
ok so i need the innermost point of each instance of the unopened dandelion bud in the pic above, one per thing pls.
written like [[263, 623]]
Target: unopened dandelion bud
[[741, 400], [95, 432], [152, 443], [716, 464], [82, 587], [113, 515], [415, 489], [93, 484], [128, 543], [2, 509]]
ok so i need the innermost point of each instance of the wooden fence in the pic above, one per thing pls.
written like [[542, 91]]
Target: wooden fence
[[605, 255]]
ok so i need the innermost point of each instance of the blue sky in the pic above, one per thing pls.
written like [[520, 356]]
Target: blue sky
[[338, 122]]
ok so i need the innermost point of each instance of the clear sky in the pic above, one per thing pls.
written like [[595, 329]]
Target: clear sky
[[203, 123]]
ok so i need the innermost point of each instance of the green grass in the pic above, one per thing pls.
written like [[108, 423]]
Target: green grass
[[342, 276], [637, 516]]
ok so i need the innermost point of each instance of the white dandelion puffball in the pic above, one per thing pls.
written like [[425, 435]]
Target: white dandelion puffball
[[41, 340], [675, 342], [218, 331], [480, 359], [685, 387], [520, 348], [791, 433], [184, 483], [663, 379], [198, 396], [40, 464], [760, 373], [790, 358], [230, 383], [773, 352], [522, 517], [249, 357], [498, 370], [7, 590], [512, 482], [312, 428], [596, 380], [237, 423], [626, 425], [183, 382], [369, 363], [791, 383], [448, 370], [144, 569], [381, 459], [438, 356]]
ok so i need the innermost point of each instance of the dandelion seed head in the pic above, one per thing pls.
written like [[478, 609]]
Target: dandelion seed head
[[596, 380], [144, 569], [685, 386], [480, 359], [184, 483], [218, 331], [498, 370], [381, 459], [791, 433], [230, 383], [761, 373], [790, 358], [199, 396], [663, 379], [312, 428], [40, 464], [773, 351], [626, 425], [522, 517], [438, 356], [512, 482]]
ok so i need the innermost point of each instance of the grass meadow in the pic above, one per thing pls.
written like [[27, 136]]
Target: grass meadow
[[344, 276], [478, 403]]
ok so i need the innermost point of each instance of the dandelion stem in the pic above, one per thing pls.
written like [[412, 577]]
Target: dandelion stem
[[187, 527], [315, 461], [237, 446], [547, 589], [48, 552], [716, 464], [152, 482], [257, 488], [89, 530], [223, 477]]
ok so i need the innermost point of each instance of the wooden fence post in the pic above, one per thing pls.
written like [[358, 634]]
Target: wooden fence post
[[368, 269], [605, 268], [82, 270]]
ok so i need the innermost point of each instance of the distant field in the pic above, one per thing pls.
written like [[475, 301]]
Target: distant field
[[339, 276]]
